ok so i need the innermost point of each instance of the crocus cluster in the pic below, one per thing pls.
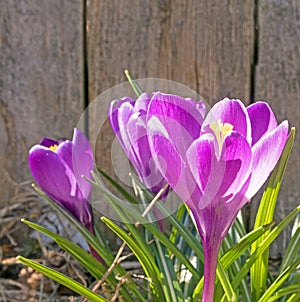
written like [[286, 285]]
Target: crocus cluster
[[58, 166], [215, 163]]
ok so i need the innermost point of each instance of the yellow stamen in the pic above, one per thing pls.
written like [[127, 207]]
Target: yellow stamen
[[221, 130], [53, 148]]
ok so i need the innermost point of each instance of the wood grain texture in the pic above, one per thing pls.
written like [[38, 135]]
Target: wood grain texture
[[41, 79], [278, 83], [206, 45]]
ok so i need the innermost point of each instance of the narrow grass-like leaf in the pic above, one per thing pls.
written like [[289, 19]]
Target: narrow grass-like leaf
[[259, 270], [63, 279], [169, 277], [289, 290], [234, 269], [157, 234], [294, 298], [102, 250], [121, 190], [229, 292], [143, 255], [278, 282], [292, 251], [243, 244], [180, 214], [83, 257], [263, 247], [182, 230]]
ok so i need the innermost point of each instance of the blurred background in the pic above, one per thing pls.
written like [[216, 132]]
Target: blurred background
[[57, 56]]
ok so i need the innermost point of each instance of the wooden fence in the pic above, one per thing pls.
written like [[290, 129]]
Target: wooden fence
[[58, 55]]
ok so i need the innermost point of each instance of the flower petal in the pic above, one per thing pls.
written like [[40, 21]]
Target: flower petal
[[125, 112], [237, 156], [65, 150], [113, 112], [52, 174], [139, 152], [219, 179], [266, 153], [142, 103], [230, 111], [83, 162], [262, 120], [49, 142], [167, 159], [200, 159], [181, 118]]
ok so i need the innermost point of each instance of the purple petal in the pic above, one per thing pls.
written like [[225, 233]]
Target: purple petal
[[262, 120], [142, 103], [200, 157], [230, 111], [113, 112], [181, 118], [125, 112], [168, 161], [53, 175], [138, 153], [266, 153], [83, 162], [219, 178], [237, 156], [65, 150], [49, 142]]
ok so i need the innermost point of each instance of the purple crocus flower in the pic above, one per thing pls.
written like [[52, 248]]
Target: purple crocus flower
[[128, 120], [218, 169], [57, 166]]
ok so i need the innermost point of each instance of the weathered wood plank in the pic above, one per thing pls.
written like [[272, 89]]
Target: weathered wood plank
[[41, 79], [206, 45], [278, 82]]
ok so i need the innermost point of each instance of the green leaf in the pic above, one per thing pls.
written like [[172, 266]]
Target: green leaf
[[195, 245], [101, 249], [292, 250], [294, 298], [229, 292], [243, 244], [156, 232], [291, 289], [259, 270], [87, 235], [144, 256], [169, 278], [264, 246], [278, 282], [63, 279], [83, 257], [121, 190]]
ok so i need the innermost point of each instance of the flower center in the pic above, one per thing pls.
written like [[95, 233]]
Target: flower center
[[53, 148], [221, 130]]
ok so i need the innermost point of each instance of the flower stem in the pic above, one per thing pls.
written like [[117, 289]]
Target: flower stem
[[210, 266]]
